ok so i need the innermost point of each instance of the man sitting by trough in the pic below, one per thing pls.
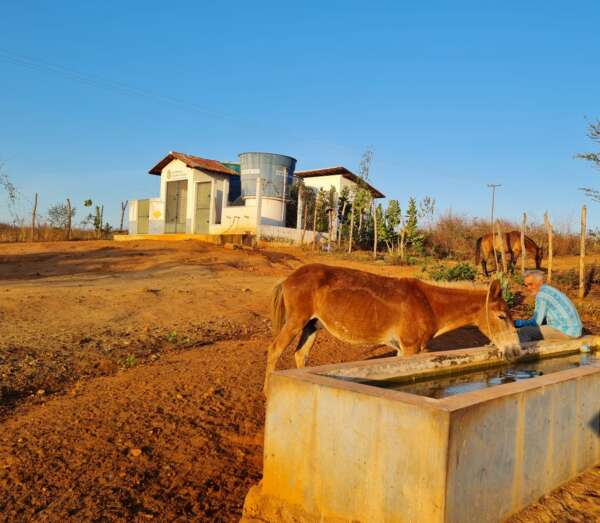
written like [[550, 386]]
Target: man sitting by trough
[[552, 307]]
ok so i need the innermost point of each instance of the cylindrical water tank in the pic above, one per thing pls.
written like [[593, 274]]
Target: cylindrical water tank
[[275, 170]]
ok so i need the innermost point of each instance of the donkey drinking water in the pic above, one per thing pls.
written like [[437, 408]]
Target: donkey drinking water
[[361, 307]]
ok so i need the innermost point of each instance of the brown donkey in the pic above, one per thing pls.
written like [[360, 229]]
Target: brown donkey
[[484, 250], [361, 307]]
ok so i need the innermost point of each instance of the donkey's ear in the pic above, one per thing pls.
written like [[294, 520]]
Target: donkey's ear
[[495, 290]]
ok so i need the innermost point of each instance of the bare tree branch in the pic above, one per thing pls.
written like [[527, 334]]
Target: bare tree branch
[[594, 135]]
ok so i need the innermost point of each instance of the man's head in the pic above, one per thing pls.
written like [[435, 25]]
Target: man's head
[[533, 281]]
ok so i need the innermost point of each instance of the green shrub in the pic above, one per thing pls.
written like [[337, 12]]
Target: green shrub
[[518, 278], [459, 272], [507, 293]]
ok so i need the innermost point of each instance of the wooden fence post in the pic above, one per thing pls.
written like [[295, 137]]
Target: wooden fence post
[[502, 246], [258, 208], [374, 230], [351, 227], [330, 229], [299, 224], [582, 252], [402, 240], [68, 219], [550, 249], [341, 225], [314, 242], [123, 207], [523, 249], [33, 216], [305, 221]]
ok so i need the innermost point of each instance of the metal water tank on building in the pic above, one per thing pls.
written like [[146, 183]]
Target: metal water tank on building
[[277, 174]]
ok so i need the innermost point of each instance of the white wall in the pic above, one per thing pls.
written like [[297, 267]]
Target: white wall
[[326, 182], [156, 222], [338, 182], [289, 235], [239, 219], [133, 212], [178, 170]]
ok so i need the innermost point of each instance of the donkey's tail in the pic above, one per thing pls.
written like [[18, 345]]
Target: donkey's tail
[[478, 250], [277, 309]]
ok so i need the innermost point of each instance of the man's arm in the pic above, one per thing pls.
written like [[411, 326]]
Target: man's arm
[[538, 314]]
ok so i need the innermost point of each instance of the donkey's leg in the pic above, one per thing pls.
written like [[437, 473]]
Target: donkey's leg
[[513, 262], [410, 350], [413, 343], [292, 327], [307, 339], [484, 267]]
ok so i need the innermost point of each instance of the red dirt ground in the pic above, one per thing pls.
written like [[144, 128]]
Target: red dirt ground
[[131, 373]]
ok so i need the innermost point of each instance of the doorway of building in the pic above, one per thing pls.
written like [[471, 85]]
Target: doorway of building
[[143, 217], [175, 217], [202, 208]]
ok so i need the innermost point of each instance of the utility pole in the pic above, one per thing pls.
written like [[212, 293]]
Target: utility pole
[[493, 187]]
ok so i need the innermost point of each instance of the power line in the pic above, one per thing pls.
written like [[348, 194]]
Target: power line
[[100, 82], [103, 83]]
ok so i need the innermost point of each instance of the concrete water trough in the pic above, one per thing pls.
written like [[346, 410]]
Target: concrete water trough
[[348, 442]]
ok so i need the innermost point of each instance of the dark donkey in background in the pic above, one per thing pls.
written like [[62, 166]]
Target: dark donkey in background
[[484, 249]]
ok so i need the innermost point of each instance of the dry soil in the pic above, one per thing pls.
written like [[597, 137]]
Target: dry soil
[[131, 373]]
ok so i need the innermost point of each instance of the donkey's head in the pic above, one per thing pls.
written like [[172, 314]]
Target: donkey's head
[[496, 323]]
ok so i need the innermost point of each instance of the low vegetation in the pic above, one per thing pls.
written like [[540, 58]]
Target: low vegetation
[[459, 272]]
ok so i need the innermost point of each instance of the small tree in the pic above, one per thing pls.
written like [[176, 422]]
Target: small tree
[[413, 238], [34, 216], [411, 221], [9, 189], [59, 215], [361, 196], [594, 135], [427, 210], [381, 228], [291, 205], [320, 199], [388, 222], [96, 220], [342, 212], [330, 210], [69, 218]]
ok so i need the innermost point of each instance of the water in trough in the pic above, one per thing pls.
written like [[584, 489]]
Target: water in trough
[[458, 383]]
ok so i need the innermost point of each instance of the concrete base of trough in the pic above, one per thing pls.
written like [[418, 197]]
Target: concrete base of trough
[[339, 450]]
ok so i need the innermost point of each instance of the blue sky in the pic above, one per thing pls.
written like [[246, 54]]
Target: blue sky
[[450, 95]]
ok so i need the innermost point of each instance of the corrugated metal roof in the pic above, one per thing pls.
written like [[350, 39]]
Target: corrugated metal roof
[[342, 171], [194, 162]]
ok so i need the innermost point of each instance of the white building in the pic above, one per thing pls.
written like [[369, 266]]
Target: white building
[[338, 177], [201, 196]]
